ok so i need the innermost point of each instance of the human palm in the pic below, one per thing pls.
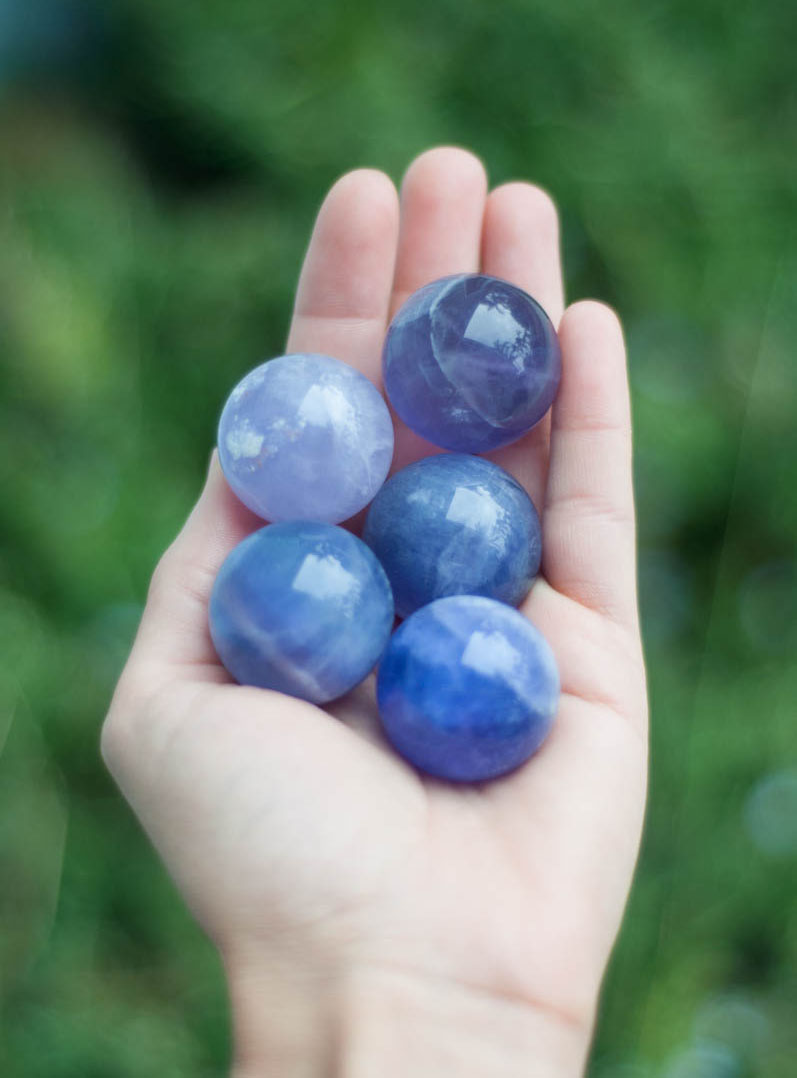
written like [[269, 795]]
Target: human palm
[[302, 842]]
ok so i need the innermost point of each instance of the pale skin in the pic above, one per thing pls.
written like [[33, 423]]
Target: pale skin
[[372, 922]]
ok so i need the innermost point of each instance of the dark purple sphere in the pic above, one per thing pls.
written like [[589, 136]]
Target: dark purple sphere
[[471, 362]]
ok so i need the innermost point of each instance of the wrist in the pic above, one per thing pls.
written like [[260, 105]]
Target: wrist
[[284, 1019], [295, 1024], [398, 1024]]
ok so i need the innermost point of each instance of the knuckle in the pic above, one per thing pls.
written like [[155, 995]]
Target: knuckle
[[134, 700], [114, 733], [109, 741], [176, 578], [162, 577]]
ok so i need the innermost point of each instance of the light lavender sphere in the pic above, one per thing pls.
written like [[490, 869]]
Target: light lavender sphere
[[305, 437]]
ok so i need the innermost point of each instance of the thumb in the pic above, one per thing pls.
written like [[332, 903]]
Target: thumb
[[173, 637]]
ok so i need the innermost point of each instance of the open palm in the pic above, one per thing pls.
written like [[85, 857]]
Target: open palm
[[308, 850]]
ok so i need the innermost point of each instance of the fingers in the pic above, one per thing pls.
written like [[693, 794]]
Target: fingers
[[520, 242], [442, 206], [588, 522], [344, 288]]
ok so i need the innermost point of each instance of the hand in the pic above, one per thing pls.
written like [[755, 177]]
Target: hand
[[368, 917]]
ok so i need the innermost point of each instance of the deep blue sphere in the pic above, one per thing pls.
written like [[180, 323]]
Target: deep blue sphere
[[467, 689], [454, 524], [301, 608], [471, 362]]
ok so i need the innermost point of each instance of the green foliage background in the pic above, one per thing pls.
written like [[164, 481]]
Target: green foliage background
[[160, 166]]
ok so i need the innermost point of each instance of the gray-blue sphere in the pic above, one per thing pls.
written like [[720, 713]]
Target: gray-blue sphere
[[454, 524]]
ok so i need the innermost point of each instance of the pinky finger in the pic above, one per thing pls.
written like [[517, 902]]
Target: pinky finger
[[588, 525]]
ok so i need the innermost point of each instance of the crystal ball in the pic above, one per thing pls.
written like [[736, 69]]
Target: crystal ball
[[301, 608], [467, 689], [454, 524], [471, 362], [305, 437]]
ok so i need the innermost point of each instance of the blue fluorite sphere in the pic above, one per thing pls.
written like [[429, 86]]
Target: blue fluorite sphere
[[467, 689], [301, 608], [305, 437], [454, 524], [471, 362]]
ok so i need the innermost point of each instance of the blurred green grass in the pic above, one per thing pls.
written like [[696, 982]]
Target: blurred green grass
[[160, 167]]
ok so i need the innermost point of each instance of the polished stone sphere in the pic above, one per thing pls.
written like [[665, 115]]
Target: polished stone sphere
[[467, 689], [454, 524], [305, 437], [301, 608], [471, 362]]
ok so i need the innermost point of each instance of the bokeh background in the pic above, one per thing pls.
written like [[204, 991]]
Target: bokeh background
[[160, 166]]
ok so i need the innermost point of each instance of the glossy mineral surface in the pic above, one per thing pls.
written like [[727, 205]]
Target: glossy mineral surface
[[305, 437], [467, 689], [454, 524], [301, 608], [471, 362]]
